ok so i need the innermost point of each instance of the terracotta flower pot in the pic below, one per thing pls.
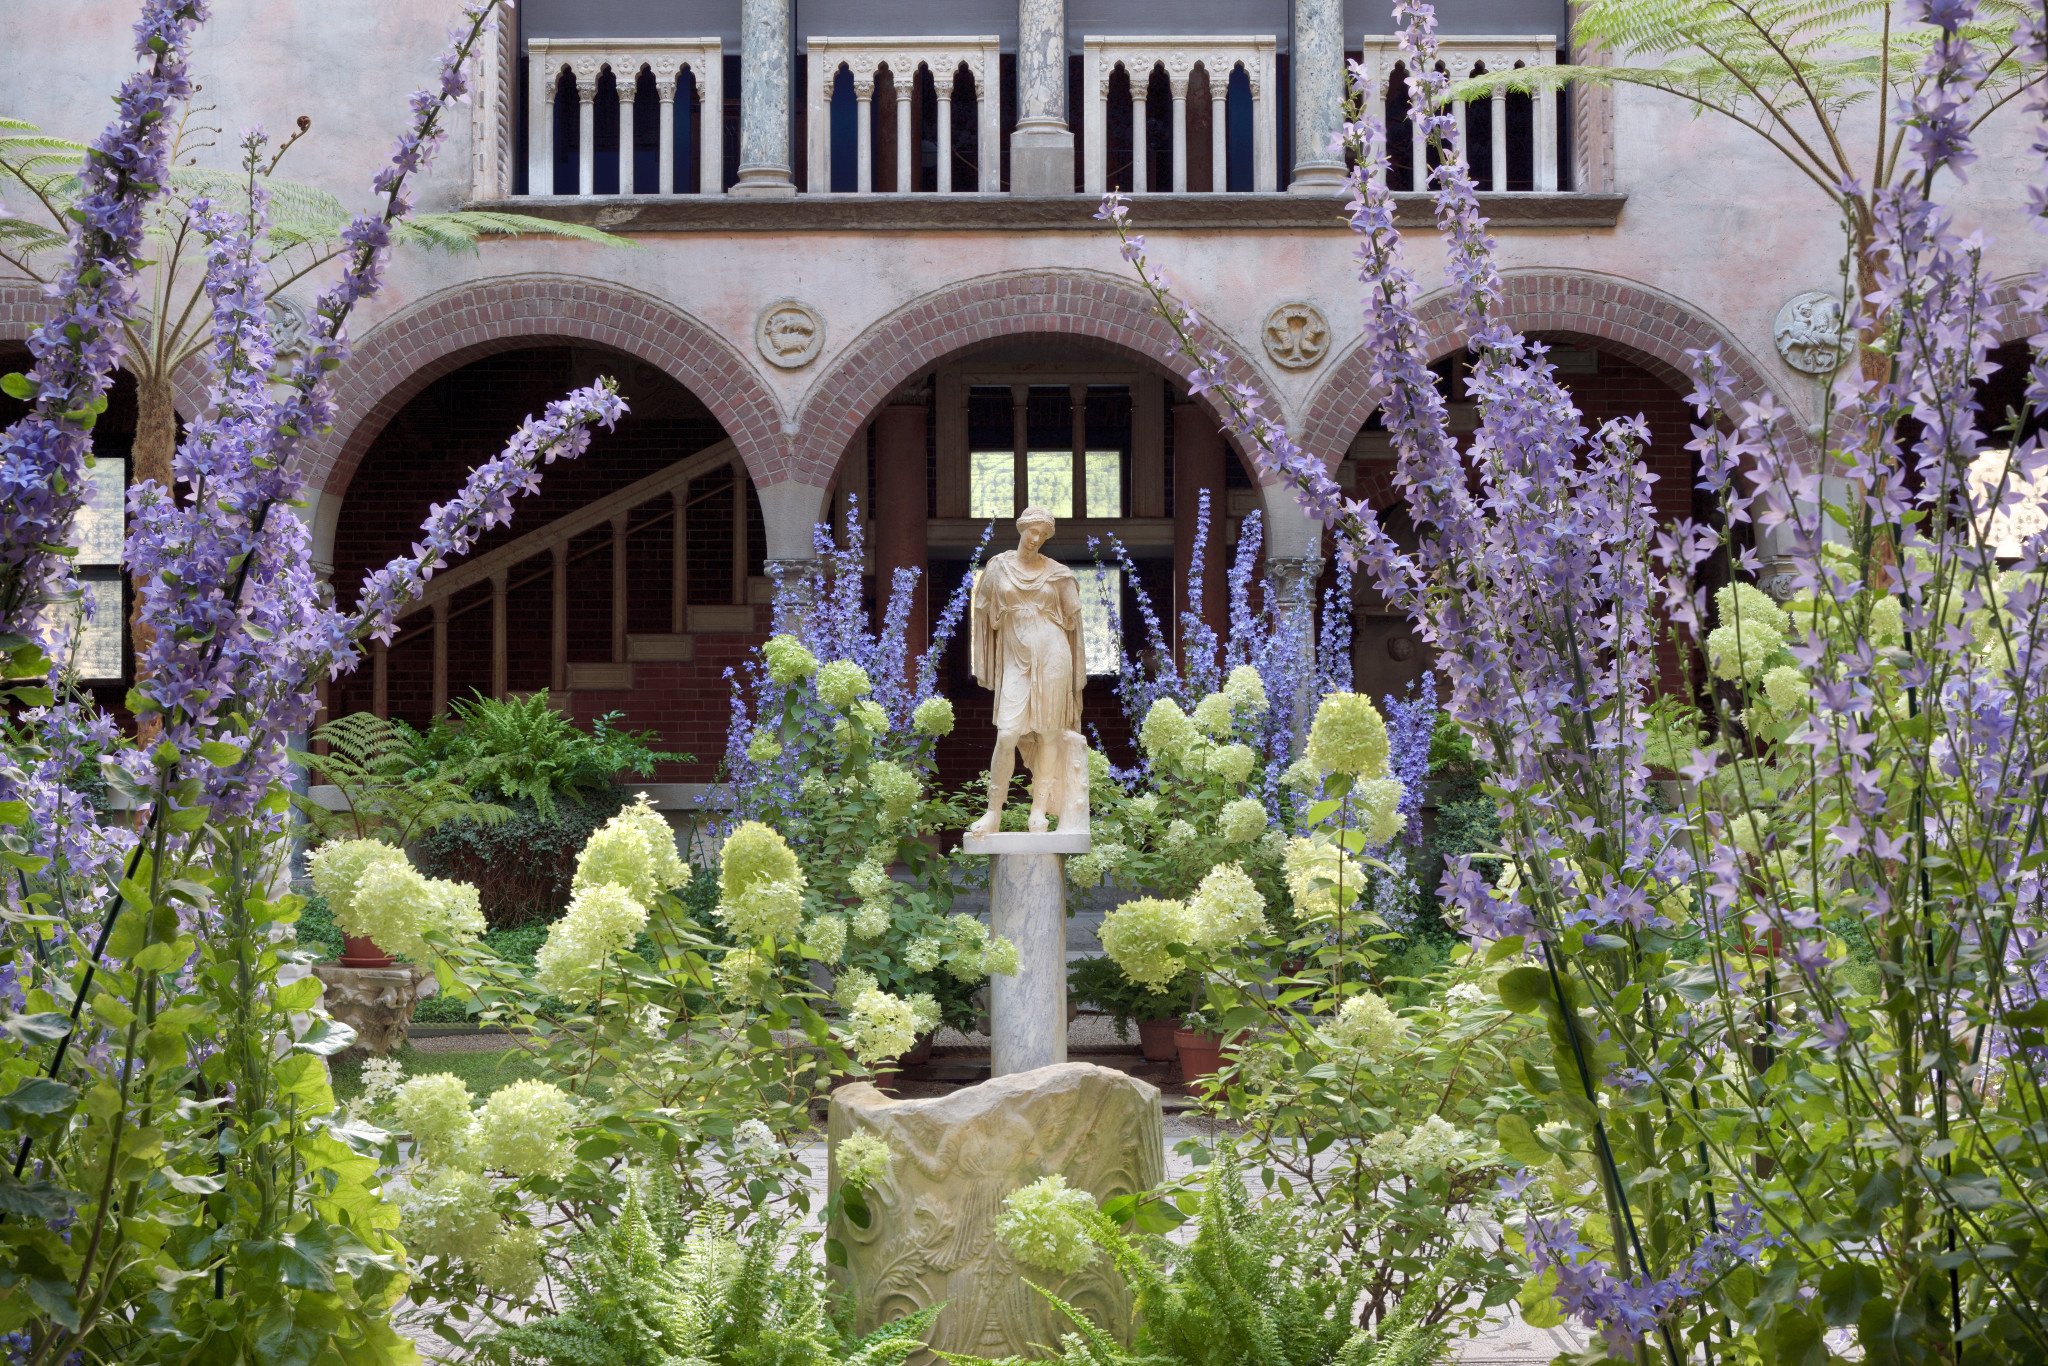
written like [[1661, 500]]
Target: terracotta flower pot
[[1155, 1037], [360, 951], [920, 1052], [1201, 1055]]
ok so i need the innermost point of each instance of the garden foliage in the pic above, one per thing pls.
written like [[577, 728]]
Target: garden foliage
[[179, 1184], [1764, 1150]]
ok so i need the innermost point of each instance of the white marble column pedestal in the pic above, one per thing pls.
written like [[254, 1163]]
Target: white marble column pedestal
[[1028, 907]]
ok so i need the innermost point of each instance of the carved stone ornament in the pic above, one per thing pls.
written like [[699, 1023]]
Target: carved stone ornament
[[1296, 335], [790, 334], [1810, 333], [375, 1002], [288, 323], [931, 1233]]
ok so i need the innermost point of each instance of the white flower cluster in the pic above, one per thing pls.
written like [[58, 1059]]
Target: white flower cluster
[[1045, 1225], [861, 1160], [601, 922], [375, 893], [760, 886], [452, 1208]]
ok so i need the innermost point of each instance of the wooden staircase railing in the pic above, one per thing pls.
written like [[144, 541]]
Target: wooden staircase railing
[[671, 488]]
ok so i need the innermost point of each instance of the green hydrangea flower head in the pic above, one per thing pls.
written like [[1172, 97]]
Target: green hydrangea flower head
[[1887, 623], [618, 853], [1140, 936], [511, 1265], [880, 1027], [825, 938], [851, 985], [398, 906], [924, 1010], [1246, 689], [1323, 879], [337, 866], [450, 1212], [1302, 776], [764, 748], [841, 683], [667, 865], [934, 717], [861, 1160], [896, 785], [870, 878], [524, 1129], [1349, 736], [600, 923], [760, 885], [742, 975], [871, 920], [1001, 958], [1166, 732], [789, 660], [1366, 1025], [870, 714], [922, 954], [1241, 821], [1786, 688], [1212, 715], [435, 1108], [1379, 809], [1232, 763], [1045, 1225], [1227, 908]]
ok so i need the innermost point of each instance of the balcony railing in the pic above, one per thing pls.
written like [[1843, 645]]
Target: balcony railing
[[1219, 62], [1510, 140], [868, 62], [1180, 114], [685, 72]]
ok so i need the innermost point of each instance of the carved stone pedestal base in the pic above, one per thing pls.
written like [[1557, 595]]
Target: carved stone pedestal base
[[931, 1237], [375, 1002]]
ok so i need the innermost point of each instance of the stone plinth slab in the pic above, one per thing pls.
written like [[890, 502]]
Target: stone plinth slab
[[1024, 842], [931, 1234]]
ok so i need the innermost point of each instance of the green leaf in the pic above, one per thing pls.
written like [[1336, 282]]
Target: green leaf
[[47, 1027], [1523, 989], [1518, 1141], [13, 813], [41, 1097], [1845, 1287], [1537, 1303], [220, 753], [16, 386]]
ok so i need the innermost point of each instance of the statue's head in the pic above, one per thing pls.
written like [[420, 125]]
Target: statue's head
[[1034, 527]]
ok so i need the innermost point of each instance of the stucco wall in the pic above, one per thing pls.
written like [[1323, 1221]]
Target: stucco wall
[[1714, 223]]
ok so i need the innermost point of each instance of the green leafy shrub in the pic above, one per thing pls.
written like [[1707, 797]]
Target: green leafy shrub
[[1257, 1286], [525, 750], [657, 1286], [521, 865], [1099, 982], [385, 793], [318, 934]]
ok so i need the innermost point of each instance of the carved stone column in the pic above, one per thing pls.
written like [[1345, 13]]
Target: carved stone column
[[1318, 95], [765, 167], [1042, 147]]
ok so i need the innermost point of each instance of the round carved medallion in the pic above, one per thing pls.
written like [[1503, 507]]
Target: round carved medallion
[[1297, 335], [790, 334], [1810, 333], [288, 324]]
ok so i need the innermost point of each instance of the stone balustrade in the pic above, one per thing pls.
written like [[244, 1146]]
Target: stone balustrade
[[685, 71], [1180, 56], [1513, 139], [1463, 56], [868, 61]]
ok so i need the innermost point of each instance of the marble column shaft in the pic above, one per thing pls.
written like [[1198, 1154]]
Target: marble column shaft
[[1318, 95], [765, 165], [1042, 145], [1028, 1010]]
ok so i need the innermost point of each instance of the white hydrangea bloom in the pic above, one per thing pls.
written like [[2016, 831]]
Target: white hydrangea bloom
[[523, 1128], [601, 921]]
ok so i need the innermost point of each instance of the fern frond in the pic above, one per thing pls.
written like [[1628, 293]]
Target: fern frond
[[463, 229]]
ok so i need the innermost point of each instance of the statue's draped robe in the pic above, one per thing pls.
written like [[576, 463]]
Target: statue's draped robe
[[1025, 625]]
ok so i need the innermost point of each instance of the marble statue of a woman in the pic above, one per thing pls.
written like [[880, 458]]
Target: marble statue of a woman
[[1027, 651]]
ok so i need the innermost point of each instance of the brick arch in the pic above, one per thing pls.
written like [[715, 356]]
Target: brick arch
[[441, 334], [1642, 325], [1100, 308], [24, 307]]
